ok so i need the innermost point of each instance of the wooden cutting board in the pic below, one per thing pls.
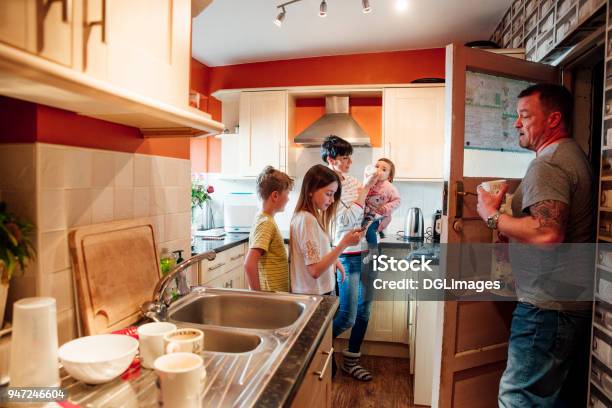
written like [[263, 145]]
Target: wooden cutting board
[[116, 268]]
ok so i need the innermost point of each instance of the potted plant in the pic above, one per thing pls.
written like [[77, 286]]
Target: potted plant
[[201, 197], [16, 250]]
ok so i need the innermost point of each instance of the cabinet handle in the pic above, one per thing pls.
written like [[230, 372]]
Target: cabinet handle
[[87, 26], [330, 355], [42, 9], [231, 283], [212, 268], [233, 258]]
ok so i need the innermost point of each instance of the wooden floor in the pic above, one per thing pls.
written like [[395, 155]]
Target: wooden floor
[[391, 386]]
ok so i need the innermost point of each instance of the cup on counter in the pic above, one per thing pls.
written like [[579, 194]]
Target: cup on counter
[[151, 339], [609, 137], [185, 340], [34, 361], [493, 186], [180, 379], [605, 258]]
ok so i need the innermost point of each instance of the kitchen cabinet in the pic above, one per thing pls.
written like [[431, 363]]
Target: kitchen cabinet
[[261, 137], [225, 271], [316, 387], [43, 28], [413, 131], [263, 131], [140, 45]]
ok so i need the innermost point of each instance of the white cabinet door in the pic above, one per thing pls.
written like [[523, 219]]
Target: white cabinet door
[[232, 155], [413, 131], [40, 27], [263, 131], [140, 45]]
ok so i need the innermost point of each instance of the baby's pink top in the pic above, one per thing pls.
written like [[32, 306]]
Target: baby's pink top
[[390, 198]]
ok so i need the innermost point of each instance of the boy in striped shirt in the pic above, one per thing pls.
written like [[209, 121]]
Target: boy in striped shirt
[[266, 263]]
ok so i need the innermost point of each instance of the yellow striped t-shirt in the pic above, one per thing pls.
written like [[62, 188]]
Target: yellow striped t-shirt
[[273, 264]]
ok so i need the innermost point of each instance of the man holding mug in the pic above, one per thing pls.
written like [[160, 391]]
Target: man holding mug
[[554, 204]]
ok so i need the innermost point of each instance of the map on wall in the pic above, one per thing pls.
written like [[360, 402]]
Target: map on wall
[[490, 112]]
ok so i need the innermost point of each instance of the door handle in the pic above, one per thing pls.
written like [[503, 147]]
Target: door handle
[[42, 9], [330, 355]]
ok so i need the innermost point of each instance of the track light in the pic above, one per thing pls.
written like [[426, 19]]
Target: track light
[[323, 9], [280, 17], [366, 6], [401, 5]]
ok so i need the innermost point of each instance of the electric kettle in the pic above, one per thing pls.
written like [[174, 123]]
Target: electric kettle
[[413, 225]]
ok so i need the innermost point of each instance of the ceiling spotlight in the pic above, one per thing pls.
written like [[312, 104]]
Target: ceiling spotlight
[[401, 5], [366, 6], [323, 9], [280, 17]]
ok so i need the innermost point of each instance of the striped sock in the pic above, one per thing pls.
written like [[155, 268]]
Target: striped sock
[[350, 365]]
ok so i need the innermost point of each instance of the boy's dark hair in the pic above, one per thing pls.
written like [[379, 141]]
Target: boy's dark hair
[[334, 146], [271, 180], [391, 168], [554, 98]]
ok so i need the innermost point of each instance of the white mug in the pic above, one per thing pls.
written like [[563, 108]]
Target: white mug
[[185, 340], [180, 379], [151, 339], [493, 186], [34, 361], [606, 198]]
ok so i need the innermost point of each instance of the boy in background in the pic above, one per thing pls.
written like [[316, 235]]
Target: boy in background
[[266, 263]]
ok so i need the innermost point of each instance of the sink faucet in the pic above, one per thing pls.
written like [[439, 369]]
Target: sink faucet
[[157, 308]]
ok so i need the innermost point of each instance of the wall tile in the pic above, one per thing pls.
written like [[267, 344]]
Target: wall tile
[[52, 211], [103, 204], [170, 173], [59, 286], [66, 326], [124, 169], [184, 176], [141, 202], [157, 197], [158, 223], [157, 170], [78, 168], [54, 252], [172, 199], [52, 166], [78, 207], [124, 203], [17, 166], [103, 169], [142, 170], [184, 198], [177, 226]]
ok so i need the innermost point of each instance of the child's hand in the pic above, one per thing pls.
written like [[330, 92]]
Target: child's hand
[[341, 269], [352, 237]]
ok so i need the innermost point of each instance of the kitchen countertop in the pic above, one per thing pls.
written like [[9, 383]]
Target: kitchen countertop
[[136, 387]]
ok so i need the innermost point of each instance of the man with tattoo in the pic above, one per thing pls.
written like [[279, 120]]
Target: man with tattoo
[[554, 204]]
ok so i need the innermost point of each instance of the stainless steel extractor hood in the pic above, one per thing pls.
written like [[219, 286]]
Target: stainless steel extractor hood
[[336, 121]]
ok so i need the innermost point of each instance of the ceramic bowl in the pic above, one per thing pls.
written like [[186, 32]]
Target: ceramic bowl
[[98, 359]]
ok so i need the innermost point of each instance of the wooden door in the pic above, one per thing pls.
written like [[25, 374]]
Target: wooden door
[[414, 131], [41, 27], [473, 349], [263, 130], [140, 45]]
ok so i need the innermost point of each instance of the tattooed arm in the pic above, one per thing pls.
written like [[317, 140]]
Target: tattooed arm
[[546, 224]]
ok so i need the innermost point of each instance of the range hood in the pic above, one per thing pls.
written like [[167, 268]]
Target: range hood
[[336, 121]]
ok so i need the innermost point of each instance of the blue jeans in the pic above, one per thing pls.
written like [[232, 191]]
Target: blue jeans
[[548, 359], [356, 293], [370, 234]]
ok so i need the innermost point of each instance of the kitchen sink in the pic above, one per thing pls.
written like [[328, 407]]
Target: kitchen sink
[[239, 310], [223, 341]]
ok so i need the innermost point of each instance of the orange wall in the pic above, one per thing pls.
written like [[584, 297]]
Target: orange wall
[[25, 122], [376, 68]]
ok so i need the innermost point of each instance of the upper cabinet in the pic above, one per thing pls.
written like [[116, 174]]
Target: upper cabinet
[[413, 131], [122, 61], [262, 133], [141, 45], [40, 27]]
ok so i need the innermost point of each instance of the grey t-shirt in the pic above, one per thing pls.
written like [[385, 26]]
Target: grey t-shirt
[[553, 278]]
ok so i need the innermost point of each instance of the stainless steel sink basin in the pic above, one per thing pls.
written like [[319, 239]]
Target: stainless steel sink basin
[[223, 341], [234, 310]]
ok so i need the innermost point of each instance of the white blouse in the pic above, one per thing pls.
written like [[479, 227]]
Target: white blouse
[[308, 244]]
